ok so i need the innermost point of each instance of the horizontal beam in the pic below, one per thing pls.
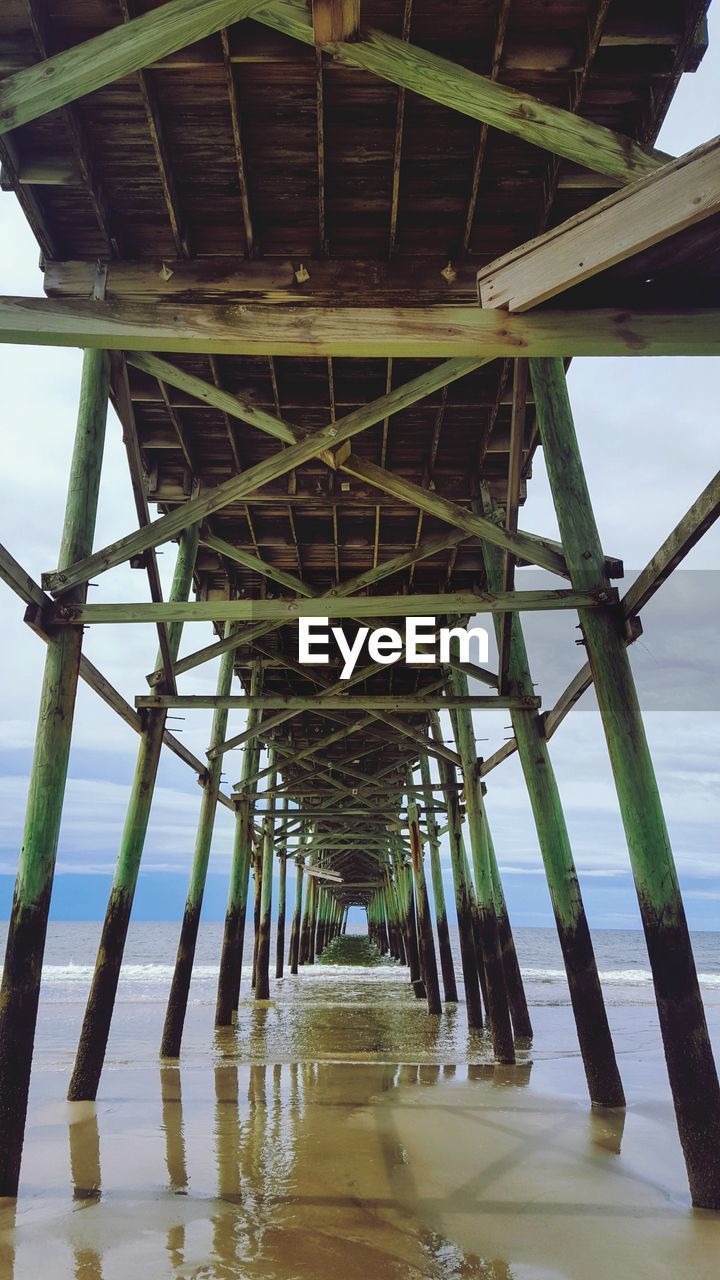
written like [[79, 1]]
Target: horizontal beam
[[337, 702], [452, 602], [269, 280], [423, 333], [556, 130], [624, 224], [116, 53]]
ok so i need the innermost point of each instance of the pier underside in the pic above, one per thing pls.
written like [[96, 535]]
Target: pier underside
[[329, 265]]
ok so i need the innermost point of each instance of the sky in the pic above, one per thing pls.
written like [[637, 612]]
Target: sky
[[647, 431]]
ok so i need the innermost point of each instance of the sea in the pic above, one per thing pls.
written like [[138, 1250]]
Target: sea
[[334, 1012]]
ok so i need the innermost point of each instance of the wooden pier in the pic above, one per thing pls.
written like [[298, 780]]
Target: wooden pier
[[328, 262]]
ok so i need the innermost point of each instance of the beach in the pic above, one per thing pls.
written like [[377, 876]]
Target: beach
[[338, 1131]]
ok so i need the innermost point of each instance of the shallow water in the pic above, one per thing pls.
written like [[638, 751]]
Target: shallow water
[[337, 1131]]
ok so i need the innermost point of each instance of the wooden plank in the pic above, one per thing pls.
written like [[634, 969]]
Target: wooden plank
[[449, 603], [323, 702], [335, 20], [414, 332], [237, 487], [228, 279], [479, 97], [624, 224], [108, 57]]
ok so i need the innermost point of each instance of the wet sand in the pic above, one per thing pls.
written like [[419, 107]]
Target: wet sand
[[333, 1158]]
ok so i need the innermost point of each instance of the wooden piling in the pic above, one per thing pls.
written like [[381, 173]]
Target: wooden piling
[[304, 946], [522, 1026], [497, 1000], [294, 954], [691, 1067], [424, 923], [20, 989], [95, 1030], [312, 921], [230, 975], [262, 961], [593, 1031], [447, 964], [282, 893], [462, 885], [412, 950], [180, 986], [257, 895]]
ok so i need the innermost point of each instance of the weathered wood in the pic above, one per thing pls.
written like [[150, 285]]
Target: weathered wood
[[20, 990], [180, 986], [405, 281], [97, 1020], [529, 546], [230, 973], [349, 587], [447, 964], [294, 952], [496, 990], [282, 893], [596, 1046], [424, 922], [693, 1076], [558, 131], [197, 509], [451, 602], [335, 20], [262, 958], [461, 883], [666, 202], [340, 702], [216, 398], [111, 56], [522, 1026], [424, 333]]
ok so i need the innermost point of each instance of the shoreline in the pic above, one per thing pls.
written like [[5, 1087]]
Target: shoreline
[[301, 1142]]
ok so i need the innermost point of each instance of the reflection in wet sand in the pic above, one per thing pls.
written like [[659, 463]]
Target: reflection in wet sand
[[346, 1161]]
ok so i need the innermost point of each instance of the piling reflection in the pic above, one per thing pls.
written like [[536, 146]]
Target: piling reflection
[[172, 1126], [322, 1169], [607, 1126], [84, 1151], [8, 1218], [84, 1139], [175, 1159]]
